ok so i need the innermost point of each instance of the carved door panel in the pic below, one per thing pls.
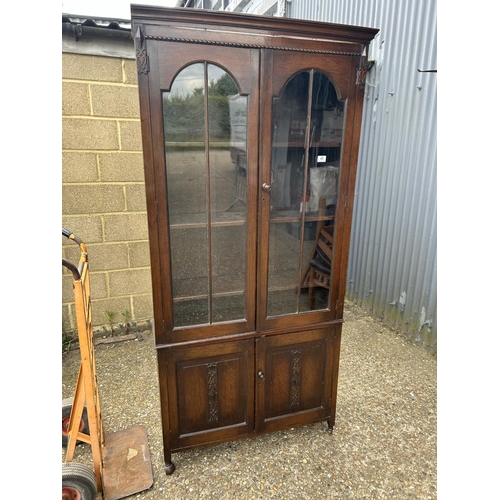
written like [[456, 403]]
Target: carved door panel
[[294, 379], [210, 392]]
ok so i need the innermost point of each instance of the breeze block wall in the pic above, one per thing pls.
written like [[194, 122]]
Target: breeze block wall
[[103, 192]]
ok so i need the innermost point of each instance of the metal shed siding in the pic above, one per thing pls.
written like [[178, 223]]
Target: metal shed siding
[[392, 261]]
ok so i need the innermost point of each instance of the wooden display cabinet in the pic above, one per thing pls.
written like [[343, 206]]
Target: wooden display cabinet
[[250, 129]]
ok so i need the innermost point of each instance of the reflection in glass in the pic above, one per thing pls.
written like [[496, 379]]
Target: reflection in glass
[[205, 136], [308, 120]]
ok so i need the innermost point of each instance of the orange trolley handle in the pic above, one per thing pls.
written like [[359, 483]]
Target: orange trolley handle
[[75, 270]]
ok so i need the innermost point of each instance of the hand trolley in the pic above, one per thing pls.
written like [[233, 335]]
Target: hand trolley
[[122, 464]]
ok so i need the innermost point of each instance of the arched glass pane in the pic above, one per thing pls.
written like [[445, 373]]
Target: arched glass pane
[[227, 112], [184, 123], [205, 137], [308, 123]]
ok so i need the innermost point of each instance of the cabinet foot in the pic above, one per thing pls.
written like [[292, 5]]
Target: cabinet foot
[[330, 424], [169, 468]]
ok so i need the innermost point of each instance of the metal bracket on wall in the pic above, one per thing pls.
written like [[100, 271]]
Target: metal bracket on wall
[[74, 30]]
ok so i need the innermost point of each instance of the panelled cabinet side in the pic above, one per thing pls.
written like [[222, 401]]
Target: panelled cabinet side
[[250, 129], [143, 68]]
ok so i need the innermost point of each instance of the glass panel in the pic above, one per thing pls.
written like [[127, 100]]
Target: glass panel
[[206, 178], [184, 122], [229, 272], [308, 123], [227, 110], [289, 137], [284, 246]]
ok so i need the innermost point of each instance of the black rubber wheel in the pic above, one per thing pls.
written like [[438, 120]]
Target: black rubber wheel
[[78, 482], [67, 404]]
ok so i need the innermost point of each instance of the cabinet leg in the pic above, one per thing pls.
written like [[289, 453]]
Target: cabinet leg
[[331, 423], [169, 468]]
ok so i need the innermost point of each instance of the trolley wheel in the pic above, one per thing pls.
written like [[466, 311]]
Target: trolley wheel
[[78, 482], [67, 404]]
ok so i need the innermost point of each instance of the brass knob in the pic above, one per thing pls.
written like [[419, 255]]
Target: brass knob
[[261, 375], [266, 187]]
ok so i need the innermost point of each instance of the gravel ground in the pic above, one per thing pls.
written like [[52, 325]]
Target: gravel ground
[[383, 444]]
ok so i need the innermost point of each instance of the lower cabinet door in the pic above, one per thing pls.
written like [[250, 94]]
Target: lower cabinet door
[[210, 393], [294, 374]]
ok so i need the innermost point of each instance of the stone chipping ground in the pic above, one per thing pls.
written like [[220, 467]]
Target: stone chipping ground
[[383, 445]]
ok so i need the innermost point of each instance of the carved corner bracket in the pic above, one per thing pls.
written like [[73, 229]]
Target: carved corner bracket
[[363, 69], [140, 51]]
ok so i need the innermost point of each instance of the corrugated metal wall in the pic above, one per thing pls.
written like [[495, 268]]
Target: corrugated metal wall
[[392, 262]]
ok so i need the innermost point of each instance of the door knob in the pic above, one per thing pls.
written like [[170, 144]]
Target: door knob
[[266, 187], [261, 375]]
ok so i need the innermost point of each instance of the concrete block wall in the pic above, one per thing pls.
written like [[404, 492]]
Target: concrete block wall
[[103, 192]]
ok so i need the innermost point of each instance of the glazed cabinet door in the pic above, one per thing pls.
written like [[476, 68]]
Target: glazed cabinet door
[[202, 178], [210, 393], [296, 377], [305, 162]]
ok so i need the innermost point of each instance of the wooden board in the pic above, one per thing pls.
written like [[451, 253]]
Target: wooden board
[[126, 463]]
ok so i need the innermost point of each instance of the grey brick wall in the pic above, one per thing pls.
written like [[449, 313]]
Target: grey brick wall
[[103, 193]]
